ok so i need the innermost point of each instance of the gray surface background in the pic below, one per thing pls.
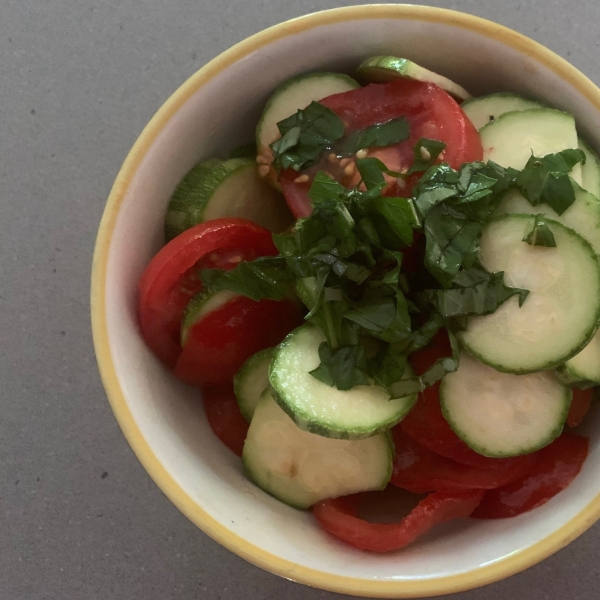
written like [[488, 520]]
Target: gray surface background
[[79, 517]]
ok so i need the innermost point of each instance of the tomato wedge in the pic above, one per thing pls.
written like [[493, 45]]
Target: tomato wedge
[[431, 112], [224, 417], [219, 343], [171, 278], [420, 470], [580, 404], [557, 465], [339, 518]]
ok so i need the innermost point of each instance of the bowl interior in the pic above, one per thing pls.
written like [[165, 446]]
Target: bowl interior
[[211, 116]]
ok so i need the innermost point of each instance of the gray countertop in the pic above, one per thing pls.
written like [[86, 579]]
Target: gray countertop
[[79, 517]]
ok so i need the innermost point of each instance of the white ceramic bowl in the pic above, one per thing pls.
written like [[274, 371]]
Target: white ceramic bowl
[[163, 420]]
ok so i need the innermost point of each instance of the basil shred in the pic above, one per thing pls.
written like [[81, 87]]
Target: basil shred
[[374, 314]]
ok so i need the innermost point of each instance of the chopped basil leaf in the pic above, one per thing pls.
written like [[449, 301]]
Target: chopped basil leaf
[[371, 170], [305, 135], [324, 188], [265, 277], [452, 242], [376, 136], [329, 317], [425, 153], [546, 180], [482, 297], [540, 234], [399, 219], [372, 313], [342, 367]]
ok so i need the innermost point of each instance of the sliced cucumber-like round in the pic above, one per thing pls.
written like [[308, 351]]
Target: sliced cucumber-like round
[[229, 188], [485, 109], [381, 69], [200, 305], [561, 313], [583, 370], [319, 408], [511, 139], [590, 172], [501, 414], [251, 381], [583, 216], [300, 468], [293, 95]]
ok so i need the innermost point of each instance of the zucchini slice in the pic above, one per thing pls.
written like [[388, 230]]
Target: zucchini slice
[[319, 408], [583, 216], [590, 172], [511, 139], [251, 381], [231, 188], [559, 316], [485, 109], [583, 370], [301, 468], [380, 69], [500, 414], [293, 95]]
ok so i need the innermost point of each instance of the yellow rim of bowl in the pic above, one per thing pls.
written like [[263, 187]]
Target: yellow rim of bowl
[[501, 568]]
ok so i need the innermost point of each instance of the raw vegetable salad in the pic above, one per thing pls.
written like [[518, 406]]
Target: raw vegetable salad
[[397, 287]]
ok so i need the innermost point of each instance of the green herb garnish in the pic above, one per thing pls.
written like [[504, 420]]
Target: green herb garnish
[[376, 136], [546, 180], [374, 315], [540, 234], [305, 136], [425, 152], [308, 133]]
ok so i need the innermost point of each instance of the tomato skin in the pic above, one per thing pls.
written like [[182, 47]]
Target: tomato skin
[[171, 277], [224, 417], [296, 194], [431, 112], [339, 518], [420, 470], [557, 465], [580, 405], [219, 343]]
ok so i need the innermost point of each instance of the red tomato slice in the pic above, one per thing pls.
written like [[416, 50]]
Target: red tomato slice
[[296, 193], [420, 470], [339, 518], [558, 464], [220, 342], [224, 417], [580, 404], [431, 112], [171, 278]]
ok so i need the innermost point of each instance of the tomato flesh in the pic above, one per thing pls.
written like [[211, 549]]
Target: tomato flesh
[[221, 341], [557, 465], [340, 518], [224, 417], [420, 470], [580, 405], [431, 112], [171, 277]]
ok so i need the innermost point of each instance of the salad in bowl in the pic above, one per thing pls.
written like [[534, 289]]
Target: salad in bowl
[[398, 285]]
